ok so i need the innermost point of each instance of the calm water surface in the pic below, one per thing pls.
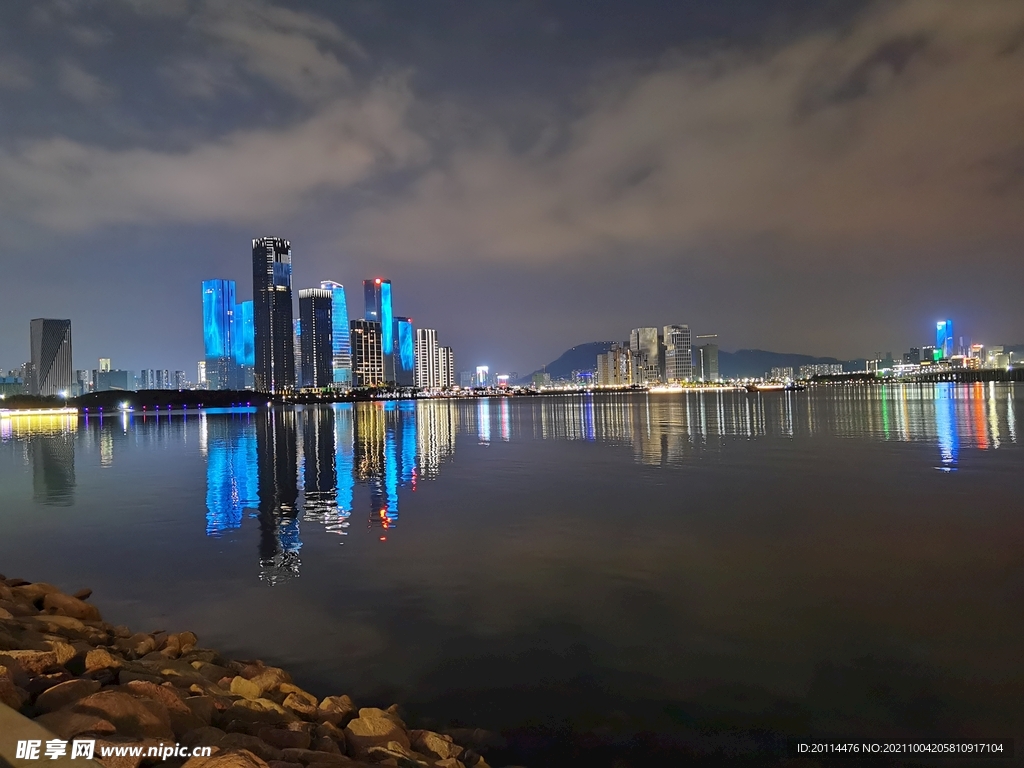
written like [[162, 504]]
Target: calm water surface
[[722, 570]]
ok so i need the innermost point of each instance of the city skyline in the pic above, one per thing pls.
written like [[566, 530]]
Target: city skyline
[[788, 174]]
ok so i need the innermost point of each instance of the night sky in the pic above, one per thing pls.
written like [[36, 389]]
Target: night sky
[[819, 177]]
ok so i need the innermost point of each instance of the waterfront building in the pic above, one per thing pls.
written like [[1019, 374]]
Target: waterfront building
[[272, 314], [645, 348], [378, 308], [51, 367], [341, 340], [482, 377], [405, 352], [678, 353], [782, 372], [218, 327], [615, 368], [11, 385], [821, 369], [930, 354], [164, 379], [543, 379], [243, 342], [446, 367], [944, 338], [115, 380], [427, 364], [180, 382], [367, 358], [706, 359], [147, 378], [316, 343], [465, 379], [201, 374], [996, 357]]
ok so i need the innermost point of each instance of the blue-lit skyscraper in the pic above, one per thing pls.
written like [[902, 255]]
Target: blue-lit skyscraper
[[243, 341], [944, 338], [405, 356], [219, 325], [272, 314], [341, 338], [379, 309]]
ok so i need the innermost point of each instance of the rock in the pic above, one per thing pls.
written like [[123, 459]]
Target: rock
[[449, 762], [12, 669], [325, 744], [439, 745], [395, 751], [373, 728], [137, 645], [337, 710], [283, 738], [65, 652], [181, 717], [309, 757], [68, 724], [301, 703], [17, 609], [212, 672], [5, 614], [130, 675], [40, 683], [65, 693], [83, 594], [34, 662], [132, 716], [187, 641], [201, 737], [254, 744], [241, 758], [10, 694], [100, 658], [283, 764], [202, 707], [33, 593], [257, 710], [66, 605], [124, 760], [245, 687]]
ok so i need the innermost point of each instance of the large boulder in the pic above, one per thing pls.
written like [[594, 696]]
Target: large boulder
[[240, 758], [101, 658], [284, 738], [373, 728], [181, 716], [439, 745], [66, 605], [68, 724], [33, 662], [257, 746], [63, 694], [132, 716], [337, 710]]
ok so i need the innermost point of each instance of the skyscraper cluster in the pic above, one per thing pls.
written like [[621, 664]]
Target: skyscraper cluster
[[321, 348], [659, 356]]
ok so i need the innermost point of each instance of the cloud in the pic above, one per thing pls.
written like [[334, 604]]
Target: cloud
[[289, 49], [82, 86], [243, 177], [901, 130], [15, 73]]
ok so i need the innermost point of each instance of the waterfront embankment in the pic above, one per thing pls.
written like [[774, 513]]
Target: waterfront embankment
[[82, 678]]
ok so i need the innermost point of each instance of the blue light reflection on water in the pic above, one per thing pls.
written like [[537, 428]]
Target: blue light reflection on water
[[946, 426]]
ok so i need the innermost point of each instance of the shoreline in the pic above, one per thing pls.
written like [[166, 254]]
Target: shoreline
[[79, 677]]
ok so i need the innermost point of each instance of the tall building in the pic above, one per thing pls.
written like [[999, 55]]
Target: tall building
[[427, 367], [379, 309], [341, 340], [219, 325], [944, 338], [615, 367], [272, 314], [446, 367], [678, 353], [317, 350], [706, 359], [645, 347], [147, 378], [163, 379], [367, 359], [405, 352], [179, 380], [482, 377], [51, 368], [201, 374], [104, 364], [243, 343]]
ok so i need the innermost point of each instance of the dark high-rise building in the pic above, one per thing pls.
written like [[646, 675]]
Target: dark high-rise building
[[316, 348], [405, 354], [51, 369], [272, 314], [219, 328], [678, 353], [706, 363], [367, 357], [379, 309]]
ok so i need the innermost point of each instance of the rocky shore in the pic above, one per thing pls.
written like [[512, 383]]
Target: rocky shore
[[80, 677]]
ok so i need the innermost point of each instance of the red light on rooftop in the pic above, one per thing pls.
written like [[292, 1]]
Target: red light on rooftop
[[377, 281]]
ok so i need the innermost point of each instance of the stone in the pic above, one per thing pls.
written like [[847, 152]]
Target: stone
[[124, 760], [373, 728], [283, 738], [137, 645], [65, 693], [101, 658], [187, 641], [181, 717], [301, 703], [5, 614], [309, 757], [254, 744], [33, 593], [66, 605], [241, 758], [132, 716], [130, 675], [283, 764], [212, 672], [68, 724], [257, 710], [395, 751], [337, 710], [439, 745], [201, 737], [10, 694], [40, 683], [449, 762], [245, 687], [83, 594], [202, 707], [65, 652], [325, 744], [12, 669], [33, 662]]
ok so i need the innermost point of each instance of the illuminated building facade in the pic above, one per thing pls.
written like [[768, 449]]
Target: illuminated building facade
[[678, 353], [614, 368], [706, 363], [218, 330], [427, 367], [51, 368], [367, 358], [482, 377], [317, 350], [446, 367], [243, 342], [272, 314], [645, 347], [405, 352], [379, 309], [341, 340], [944, 338]]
